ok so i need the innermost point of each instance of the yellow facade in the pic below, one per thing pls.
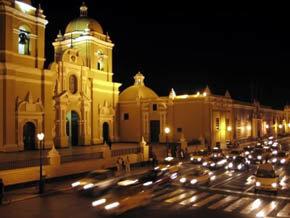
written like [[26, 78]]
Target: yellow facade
[[76, 102], [204, 117]]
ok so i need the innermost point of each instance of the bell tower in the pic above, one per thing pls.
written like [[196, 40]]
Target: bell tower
[[22, 36], [24, 85]]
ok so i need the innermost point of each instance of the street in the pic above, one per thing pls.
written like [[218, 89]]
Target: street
[[230, 193]]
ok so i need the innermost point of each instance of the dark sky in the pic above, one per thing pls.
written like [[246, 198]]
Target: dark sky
[[242, 48]]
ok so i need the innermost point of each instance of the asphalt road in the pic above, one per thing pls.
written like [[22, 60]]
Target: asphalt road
[[231, 194]]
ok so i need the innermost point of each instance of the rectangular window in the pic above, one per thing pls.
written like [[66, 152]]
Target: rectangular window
[[126, 116], [154, 107], [179, 129], [217, 123]]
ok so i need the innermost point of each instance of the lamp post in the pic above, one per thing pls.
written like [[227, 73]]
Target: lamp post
[[40, 137], [167, 131]]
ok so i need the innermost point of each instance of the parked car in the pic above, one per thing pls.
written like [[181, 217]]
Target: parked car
[[266, 178], [96, 182], [125, 196]]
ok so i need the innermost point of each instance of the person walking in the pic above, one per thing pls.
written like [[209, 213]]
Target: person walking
[[127, 164]]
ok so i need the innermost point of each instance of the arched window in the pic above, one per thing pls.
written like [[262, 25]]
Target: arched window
[[73, 84], [24, 41], [100, 64]]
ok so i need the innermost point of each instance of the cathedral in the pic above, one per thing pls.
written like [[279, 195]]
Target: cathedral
[[75, 102]]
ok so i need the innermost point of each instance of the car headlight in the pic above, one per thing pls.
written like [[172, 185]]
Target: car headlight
[[199, 159], [112, 205], [182, 180], [212, 164], [250, 156], [258, 184], [275, 152], [283, 161], [234, 157], [259, 157], [194, 181], [99, 202], [204, 164], [191, 158], [90, 185], [247, 153], [230, 165], [274, 160], [240, 166], [147, 183], [227, 156], [75, 184], [173, 176], [274, 185]]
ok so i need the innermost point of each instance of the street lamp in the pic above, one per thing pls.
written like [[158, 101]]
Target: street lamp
[[40, 137], [167, 131]]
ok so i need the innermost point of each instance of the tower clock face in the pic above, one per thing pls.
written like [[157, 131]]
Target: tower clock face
[[73, 84]]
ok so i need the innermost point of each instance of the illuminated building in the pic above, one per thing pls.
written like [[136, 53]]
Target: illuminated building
[[76, 102]]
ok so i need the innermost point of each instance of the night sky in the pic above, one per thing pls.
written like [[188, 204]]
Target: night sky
[[242, 48]]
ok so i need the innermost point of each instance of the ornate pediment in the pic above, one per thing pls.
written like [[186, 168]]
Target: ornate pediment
[[28, 104], [73, 56], [107, 109]]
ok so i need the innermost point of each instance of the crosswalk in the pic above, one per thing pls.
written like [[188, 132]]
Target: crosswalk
[[231, 203]]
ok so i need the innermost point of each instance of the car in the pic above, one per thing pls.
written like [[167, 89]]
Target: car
[[215, 162], [126, 195], [233, 154], [95, 182], [200, 156], [154, 178], [266, 178], [257, 156], [170, 163], [217, 152], [282, 157], [239, 163], [196, 177], [248, 150]]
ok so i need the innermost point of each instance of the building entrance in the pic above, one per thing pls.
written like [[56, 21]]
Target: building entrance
[[29, 136], [72, 130], [154, 130]]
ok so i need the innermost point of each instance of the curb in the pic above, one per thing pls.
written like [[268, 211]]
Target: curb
[[9, 201]]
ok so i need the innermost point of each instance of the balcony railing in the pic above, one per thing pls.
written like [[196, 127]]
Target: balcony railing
[[126, 151], [16, 164], [81, 157]]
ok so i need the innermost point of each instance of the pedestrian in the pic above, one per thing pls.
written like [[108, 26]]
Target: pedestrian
[[127, 164], [181, 154], [119, 165], [1, 191]]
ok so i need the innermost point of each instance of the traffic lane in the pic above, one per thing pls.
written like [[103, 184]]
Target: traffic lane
[[57, 205], [69, 204]]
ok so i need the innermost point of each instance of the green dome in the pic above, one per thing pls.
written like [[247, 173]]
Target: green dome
[[82, 23]]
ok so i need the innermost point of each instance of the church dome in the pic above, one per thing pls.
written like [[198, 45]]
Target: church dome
[[83, 23], [138, 90]]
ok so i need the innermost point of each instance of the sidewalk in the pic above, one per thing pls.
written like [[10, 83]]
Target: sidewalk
[[14, 194]]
